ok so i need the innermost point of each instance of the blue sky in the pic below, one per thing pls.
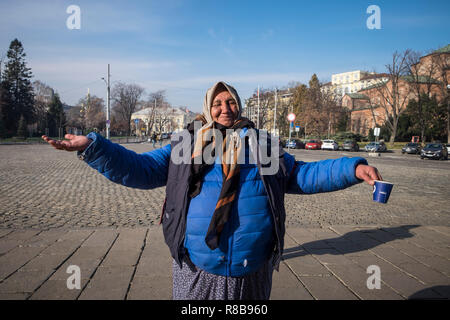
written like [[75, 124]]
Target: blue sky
[[183, 47]]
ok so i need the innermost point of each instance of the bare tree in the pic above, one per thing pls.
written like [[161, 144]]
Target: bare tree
[[125, 101], [156, 100], [422, 82], [442, 62], [394, 93], [43, 95]]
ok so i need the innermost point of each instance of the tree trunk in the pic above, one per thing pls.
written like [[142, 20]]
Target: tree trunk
[[394, 132]]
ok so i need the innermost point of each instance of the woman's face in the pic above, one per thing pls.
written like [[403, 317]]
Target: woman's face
[[224, 108]]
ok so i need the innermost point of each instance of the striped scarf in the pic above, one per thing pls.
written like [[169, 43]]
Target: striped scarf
[[231, 149]]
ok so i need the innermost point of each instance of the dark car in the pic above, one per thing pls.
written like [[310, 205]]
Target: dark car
[[165, 136], [434, 151], [295, 144], [350, 145], [411, 148]]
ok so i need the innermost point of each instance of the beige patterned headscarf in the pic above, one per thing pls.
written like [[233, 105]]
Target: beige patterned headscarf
[[207, 103]]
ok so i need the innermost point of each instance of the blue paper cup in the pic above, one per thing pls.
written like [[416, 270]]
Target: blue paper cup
[[382, 191]]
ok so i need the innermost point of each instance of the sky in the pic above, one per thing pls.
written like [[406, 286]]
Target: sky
[[184, 47]]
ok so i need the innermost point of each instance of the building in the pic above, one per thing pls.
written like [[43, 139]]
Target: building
[[352, 82], [368, 106], [161, 119]]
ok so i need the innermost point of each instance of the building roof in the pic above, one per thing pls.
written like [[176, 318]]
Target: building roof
[[357, 96], [375, 76], [375, 85], [420, 79]]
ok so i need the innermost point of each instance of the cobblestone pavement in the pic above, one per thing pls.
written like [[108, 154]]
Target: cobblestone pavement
[[44, 188]]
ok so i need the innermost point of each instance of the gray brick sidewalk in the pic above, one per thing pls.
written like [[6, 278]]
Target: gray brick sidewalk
[[325, 263]]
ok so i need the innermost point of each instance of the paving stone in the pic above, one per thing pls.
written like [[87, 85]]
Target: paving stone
[[154, 266], [151, 288], [392, 255], [286, 286], [436, 262], [57, 290], [44, 262], [24, 281], [87, 269], [8, 245], [46, 238], [101, 237], [14, 296], [16, 258], [108, 283], [22, 235], [402, 283], [356, 279], [121, 258], [426, 274], [410, 249], [331, 256], [303, 264], [4, 232], [327, 288]]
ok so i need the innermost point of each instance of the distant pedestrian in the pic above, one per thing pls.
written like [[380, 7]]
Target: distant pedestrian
[[153, 139]]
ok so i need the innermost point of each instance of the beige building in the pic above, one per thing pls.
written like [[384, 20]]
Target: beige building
[[352, 82], [162, 119]]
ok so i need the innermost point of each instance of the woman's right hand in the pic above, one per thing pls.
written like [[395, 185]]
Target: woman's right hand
[[73, 142]]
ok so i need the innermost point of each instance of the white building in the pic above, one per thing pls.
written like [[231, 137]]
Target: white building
[[161, 119], [352, 81]]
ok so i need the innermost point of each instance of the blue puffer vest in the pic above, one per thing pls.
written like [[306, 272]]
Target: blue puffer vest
[[247, 239]]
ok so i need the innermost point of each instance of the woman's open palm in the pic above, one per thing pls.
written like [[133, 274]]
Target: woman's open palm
[[73, 142]]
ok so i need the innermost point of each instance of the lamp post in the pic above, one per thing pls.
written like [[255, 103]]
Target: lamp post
[[108, 121]]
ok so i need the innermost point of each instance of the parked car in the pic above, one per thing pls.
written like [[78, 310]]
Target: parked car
[[313, 145], [411, 147], [434, 151], [295, 144], [165, 136], [375, 147], [448, 147], [350, 145], [329, 145]]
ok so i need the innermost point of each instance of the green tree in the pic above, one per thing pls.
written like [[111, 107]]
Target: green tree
[[17, 98], [56, 117]]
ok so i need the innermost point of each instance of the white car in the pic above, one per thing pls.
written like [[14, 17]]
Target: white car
[[330, 145]]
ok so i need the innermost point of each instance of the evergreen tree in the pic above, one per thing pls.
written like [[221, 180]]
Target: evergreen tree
[[56, 117], [3, 132], [17, 96], [22, 131]]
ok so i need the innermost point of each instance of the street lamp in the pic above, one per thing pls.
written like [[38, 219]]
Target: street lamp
[[108, 122]]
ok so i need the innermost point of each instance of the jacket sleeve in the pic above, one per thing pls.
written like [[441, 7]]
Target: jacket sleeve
[[321, 176], [126, 167]]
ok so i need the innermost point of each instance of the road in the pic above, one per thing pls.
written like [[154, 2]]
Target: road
[[43, 188]]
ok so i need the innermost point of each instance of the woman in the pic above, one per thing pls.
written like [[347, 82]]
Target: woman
[[223, 220]]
